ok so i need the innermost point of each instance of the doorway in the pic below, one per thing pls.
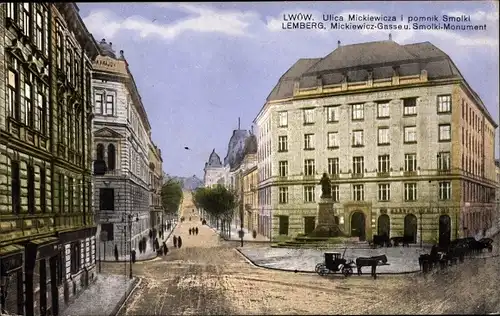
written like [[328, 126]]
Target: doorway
[[358, 225], [444, 230], [410, 228], [384, 225], [309, 224], [283, 225]]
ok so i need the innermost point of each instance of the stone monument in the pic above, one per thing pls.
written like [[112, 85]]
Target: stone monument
[[327, 225]]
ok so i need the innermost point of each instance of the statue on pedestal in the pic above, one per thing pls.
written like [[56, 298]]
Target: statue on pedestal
[[326, 186]]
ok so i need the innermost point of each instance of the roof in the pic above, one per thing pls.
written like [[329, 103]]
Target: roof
[[378, 59], [250, 145], [213, 161]]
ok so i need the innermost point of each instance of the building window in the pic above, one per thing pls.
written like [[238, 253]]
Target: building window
[[69, 62], [358, 192], [59, 47], [41, 28], [12, 8], [410, 106], [283, 195], [358, 112], [357, 138], [283, 168], [358, 164], [16, 187], [282, 119], [308, 116], [383, 163], [333, 166], [71, 187], [28, 97], [31, 189], [41, 108], [444, 103], [282, 143], [61, 193], [383, 110], [13, 89], [107, 199], [384, 192], [410, 162], [332, 114], [309, 194], [335, 193], [98, 103], [444, 161], [109, 229], [43, 190], [100, 152], [111, 157], [309, 141], [383, 135], [445, 190], [333, 140], [26, 18], [410, 191], [110, 102], [444, 132], [309, 167], [410, 134], [76, 256]]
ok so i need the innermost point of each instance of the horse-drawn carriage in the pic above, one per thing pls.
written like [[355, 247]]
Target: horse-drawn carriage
[[335, 263]]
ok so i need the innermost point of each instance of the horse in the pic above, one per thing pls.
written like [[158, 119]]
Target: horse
[[381, 240], [430, 259], [370, 262]]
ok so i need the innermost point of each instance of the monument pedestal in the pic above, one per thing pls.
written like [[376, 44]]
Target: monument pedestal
[[327, 223]]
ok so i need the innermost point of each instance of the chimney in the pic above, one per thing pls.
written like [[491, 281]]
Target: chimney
[[338, 44], [390, 37]]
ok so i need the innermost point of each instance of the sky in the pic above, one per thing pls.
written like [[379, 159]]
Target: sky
[[200, 66]]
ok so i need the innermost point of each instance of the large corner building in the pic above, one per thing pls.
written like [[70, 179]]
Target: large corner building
[[47, 248], [407, 142]]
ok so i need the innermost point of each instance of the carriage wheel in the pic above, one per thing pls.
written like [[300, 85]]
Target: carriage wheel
[[318, 267], [347, 271], [323, 270]]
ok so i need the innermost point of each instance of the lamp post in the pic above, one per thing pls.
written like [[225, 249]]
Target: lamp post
[[128, 219]]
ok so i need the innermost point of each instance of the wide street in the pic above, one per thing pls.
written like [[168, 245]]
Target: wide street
[[208, 276]]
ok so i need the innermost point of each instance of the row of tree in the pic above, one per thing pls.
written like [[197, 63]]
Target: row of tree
[[171, 196], [218, 202]]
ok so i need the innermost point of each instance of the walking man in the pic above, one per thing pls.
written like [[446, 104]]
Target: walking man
[[196, 230], [179, 242], [175, 241]]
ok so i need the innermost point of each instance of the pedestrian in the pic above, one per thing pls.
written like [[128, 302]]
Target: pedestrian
[[132, 253], [190, 231], [116, 253], [179, 242], [150, 234], [165, 248], [196, 230], [175, 241], [140, 246], [189, 218], [156, 244]]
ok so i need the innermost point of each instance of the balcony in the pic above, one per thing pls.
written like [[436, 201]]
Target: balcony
[[383, 174], [113, 173], [27, 226]]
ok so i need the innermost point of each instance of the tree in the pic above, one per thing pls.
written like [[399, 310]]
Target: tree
[[218, 202], [171, 196]]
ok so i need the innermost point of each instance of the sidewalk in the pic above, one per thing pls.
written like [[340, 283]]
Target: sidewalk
[[103, 297], [148, 254], [247, 237]]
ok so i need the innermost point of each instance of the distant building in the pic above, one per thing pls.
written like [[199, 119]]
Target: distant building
[[407, 142], [122, 139], [250, 183], [213, 171], [155, 185]]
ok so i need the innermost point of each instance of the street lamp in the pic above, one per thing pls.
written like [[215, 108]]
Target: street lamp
[[128, 219]]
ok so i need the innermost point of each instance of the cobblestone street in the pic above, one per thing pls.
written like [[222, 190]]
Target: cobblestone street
[[207, 276]]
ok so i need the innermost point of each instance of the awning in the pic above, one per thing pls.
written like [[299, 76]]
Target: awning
[[10, 249]]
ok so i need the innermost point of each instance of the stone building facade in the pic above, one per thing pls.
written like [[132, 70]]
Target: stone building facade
[[156, 182], [47, 248], [250, 181], [213, 171], [121, 139], [408, 144]]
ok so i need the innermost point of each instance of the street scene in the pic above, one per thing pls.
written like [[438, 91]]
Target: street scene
[[280, 158]]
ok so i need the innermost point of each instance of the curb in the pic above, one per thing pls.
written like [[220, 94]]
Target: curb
[[142, 260], [313, 272], [120, 305]]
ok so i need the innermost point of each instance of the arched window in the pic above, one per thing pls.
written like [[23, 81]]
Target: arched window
[[100, 152], [111, 157]]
